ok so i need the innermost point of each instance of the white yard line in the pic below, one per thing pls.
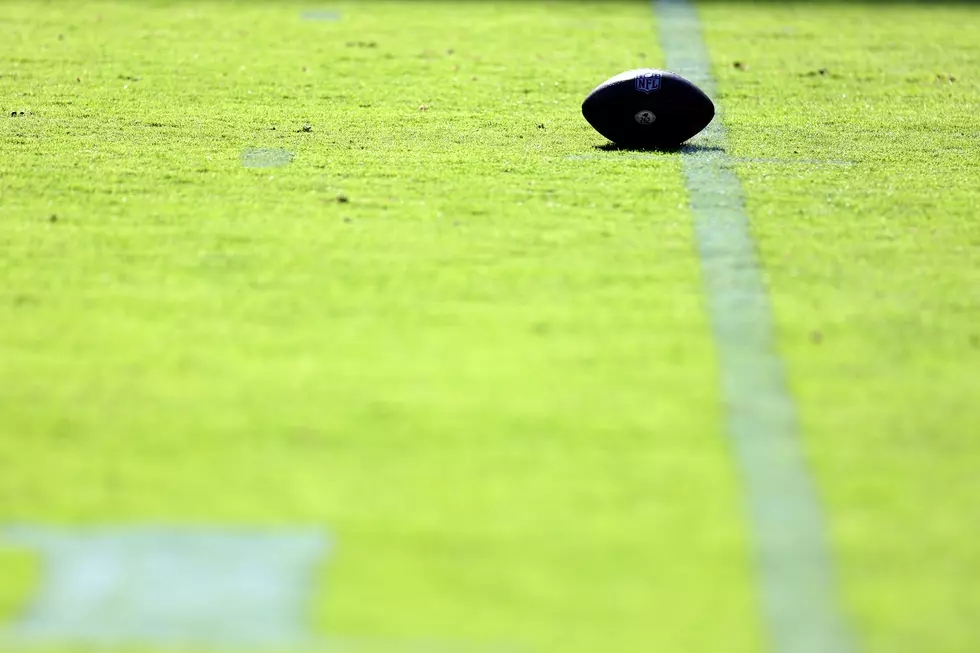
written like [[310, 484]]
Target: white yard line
[[796, 572]]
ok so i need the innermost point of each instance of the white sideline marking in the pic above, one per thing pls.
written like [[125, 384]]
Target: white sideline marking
[[796, 573]]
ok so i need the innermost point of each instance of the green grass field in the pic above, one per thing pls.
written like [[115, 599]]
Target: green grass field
[[467, 342]]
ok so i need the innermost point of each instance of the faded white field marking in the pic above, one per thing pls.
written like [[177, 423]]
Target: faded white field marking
[[729, 162], [222, 590], [801, 162], [266, 157], [320, 14], [168, 587], [796, 573]]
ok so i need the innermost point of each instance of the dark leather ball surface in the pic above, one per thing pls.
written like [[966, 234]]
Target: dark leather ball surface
[[648, 108]]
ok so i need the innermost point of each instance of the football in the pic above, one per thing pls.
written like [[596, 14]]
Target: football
[[648, 108]]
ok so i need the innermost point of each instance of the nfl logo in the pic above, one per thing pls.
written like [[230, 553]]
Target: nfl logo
[[648, 82]]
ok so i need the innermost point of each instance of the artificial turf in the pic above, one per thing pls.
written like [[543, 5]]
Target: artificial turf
[[466, 341]]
